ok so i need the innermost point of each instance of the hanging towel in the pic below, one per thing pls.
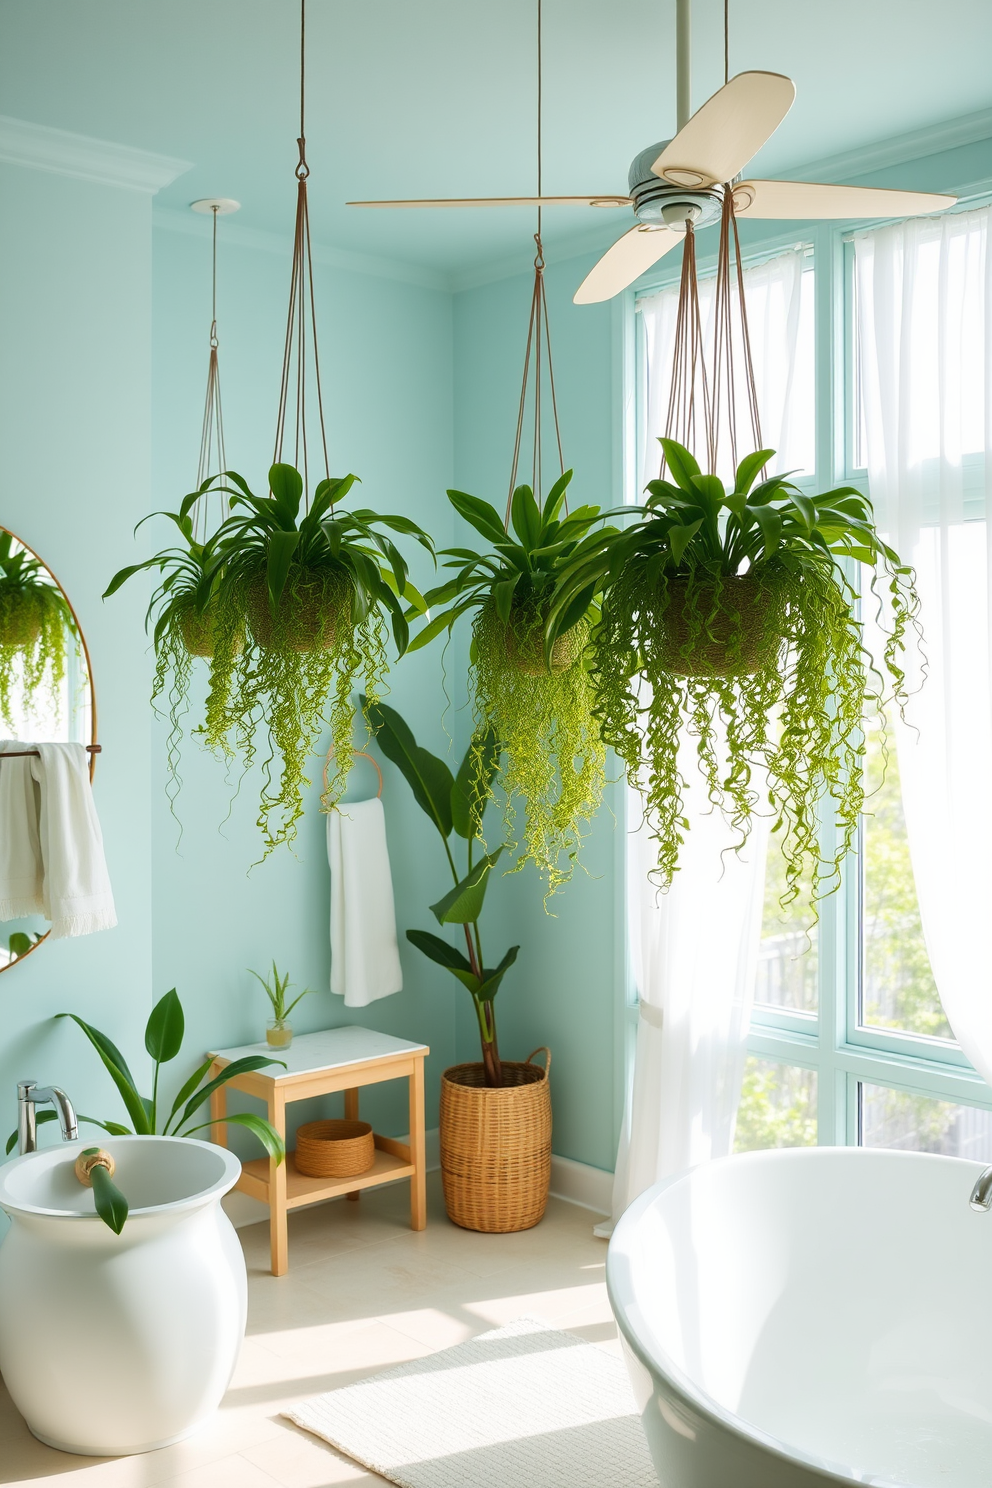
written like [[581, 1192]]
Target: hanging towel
[[365, 959], [21, 868], [76, 891]]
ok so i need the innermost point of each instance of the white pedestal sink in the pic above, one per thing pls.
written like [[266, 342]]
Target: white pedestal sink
[[112, 1344]]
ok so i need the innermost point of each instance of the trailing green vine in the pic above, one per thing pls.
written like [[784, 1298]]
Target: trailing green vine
[[729, 618], [36, 628]]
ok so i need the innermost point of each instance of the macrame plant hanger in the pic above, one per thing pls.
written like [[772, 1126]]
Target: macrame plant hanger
[[538, 348], [213, 457], [301, 322], [702, 404]]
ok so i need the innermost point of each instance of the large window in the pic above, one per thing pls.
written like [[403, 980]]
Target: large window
[[849, 1043]]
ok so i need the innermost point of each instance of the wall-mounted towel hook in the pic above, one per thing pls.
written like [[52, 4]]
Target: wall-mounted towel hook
[[359, 754]]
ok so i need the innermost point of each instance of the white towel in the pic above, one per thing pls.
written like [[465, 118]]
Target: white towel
[[21, 868], [57, 825], [365, 959]]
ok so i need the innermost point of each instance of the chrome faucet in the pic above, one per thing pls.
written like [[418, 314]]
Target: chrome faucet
[[30, 1095], [981, 1194]]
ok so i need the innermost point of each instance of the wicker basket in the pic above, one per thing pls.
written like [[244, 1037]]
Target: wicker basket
[[742, 635], [306, 618], [496, 1146], [334, 1149], [197, 632], [527, 652], [20, 620]]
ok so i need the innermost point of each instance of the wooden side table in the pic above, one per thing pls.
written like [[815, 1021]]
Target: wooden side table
[[320, 1064]]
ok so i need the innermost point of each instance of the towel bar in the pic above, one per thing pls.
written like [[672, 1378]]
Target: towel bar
[[24, 753]]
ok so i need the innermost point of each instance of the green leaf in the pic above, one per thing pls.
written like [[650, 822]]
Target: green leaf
[[462, 905], [165, 1028], [470, 792], [483, 517], [492, 979], [236, 1067], [503, 595], [749, 469], [556, 496], [111, 1205], [680, 462], [286, 485], [188, 1088], [116, 1066], [282, 548], [427, 634], [262, 1129], [525, 517], [679, 538], [427, 776], [437, 950]]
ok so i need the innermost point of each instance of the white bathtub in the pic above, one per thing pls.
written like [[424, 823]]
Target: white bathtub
[[811, 1316]]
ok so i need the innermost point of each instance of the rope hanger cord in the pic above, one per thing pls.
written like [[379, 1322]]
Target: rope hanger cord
[[690, 383], [538, 328], [212, 431], [301, 319]]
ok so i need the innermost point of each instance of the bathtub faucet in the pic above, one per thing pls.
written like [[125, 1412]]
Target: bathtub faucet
[[30, 1095], [981, 1194]]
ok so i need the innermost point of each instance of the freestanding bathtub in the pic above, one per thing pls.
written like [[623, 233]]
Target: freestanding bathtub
[[811, 1316]]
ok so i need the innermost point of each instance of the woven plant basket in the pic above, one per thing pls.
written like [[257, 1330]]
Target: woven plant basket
[[334, 1149], [527, 651], [306, 619], [20, 619], [197, 632], [496, 1146], [742, 634]]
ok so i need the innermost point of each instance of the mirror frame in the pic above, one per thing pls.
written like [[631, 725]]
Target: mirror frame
[[94, 735]]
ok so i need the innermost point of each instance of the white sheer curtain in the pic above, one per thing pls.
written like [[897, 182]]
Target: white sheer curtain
[[694, 949], [924, 293]]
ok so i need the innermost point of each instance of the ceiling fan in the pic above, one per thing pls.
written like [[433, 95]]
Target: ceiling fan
[[683, 180]]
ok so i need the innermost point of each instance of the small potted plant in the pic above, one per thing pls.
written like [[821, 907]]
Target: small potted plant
[[730, 615], [495, 1114], [279, 1031], [536, 699], [36, 625]]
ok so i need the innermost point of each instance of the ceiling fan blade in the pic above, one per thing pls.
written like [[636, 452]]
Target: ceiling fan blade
[[731, 127], [503, 201], [802, 199], [620, 265]]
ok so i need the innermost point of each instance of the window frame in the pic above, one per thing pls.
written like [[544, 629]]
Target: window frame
[[843, 1053]]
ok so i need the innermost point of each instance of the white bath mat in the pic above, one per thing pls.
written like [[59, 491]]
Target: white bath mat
[[524, 1406]]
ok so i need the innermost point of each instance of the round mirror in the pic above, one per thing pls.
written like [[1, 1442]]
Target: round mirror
[[46, 686]]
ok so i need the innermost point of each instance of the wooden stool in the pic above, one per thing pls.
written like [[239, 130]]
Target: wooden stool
[[320, 1064]]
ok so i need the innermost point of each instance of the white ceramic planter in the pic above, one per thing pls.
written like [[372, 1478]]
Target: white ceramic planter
[[117, 1344]]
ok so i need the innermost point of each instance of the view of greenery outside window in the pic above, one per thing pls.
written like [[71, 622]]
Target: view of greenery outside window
[[778, 1106], [787, 955], [917, 1123]]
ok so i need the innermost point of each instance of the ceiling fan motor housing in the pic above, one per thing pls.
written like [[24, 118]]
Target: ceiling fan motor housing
[[659, 203]]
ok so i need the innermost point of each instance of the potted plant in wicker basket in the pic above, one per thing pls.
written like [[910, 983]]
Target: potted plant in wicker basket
[[495, 1113], [36, 625], [537, 700], [731, 614]]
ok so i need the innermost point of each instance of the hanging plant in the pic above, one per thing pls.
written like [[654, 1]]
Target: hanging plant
[[311, 596], [729, 616], [36, 625], [535, 699]]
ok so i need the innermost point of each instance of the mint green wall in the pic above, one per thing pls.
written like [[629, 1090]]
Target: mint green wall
[[387, 367], [75, 328]]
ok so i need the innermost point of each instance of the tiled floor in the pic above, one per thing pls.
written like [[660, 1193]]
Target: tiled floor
[[363, 1292]]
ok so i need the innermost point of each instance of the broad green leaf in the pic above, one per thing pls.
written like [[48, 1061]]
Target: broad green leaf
[[470, 792], [462, 905], [286, 485], [187, 1090], [437, 950], [680, 462], [262, 1129], [165, 1028], [282, 548], [710, 489], [679, 538], [556, 496], [483, 517], [749, 469], [111, 1205], [236, 1067], [492, 979], [503, 595], [116, 1066], [427, 634], [526, 517], [427, 776]]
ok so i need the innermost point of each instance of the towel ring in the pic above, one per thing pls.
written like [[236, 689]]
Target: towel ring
[[359, 754]]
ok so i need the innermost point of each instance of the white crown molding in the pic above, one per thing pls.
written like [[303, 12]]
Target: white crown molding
[[918, 144], [173, 219], [102, 161]]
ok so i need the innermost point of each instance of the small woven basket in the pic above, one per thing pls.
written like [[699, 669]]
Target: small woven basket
[[496, 1146], [334, 1149], [742, 633]]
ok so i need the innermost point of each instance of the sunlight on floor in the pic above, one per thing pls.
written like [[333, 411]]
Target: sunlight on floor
[[363, 1292]]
